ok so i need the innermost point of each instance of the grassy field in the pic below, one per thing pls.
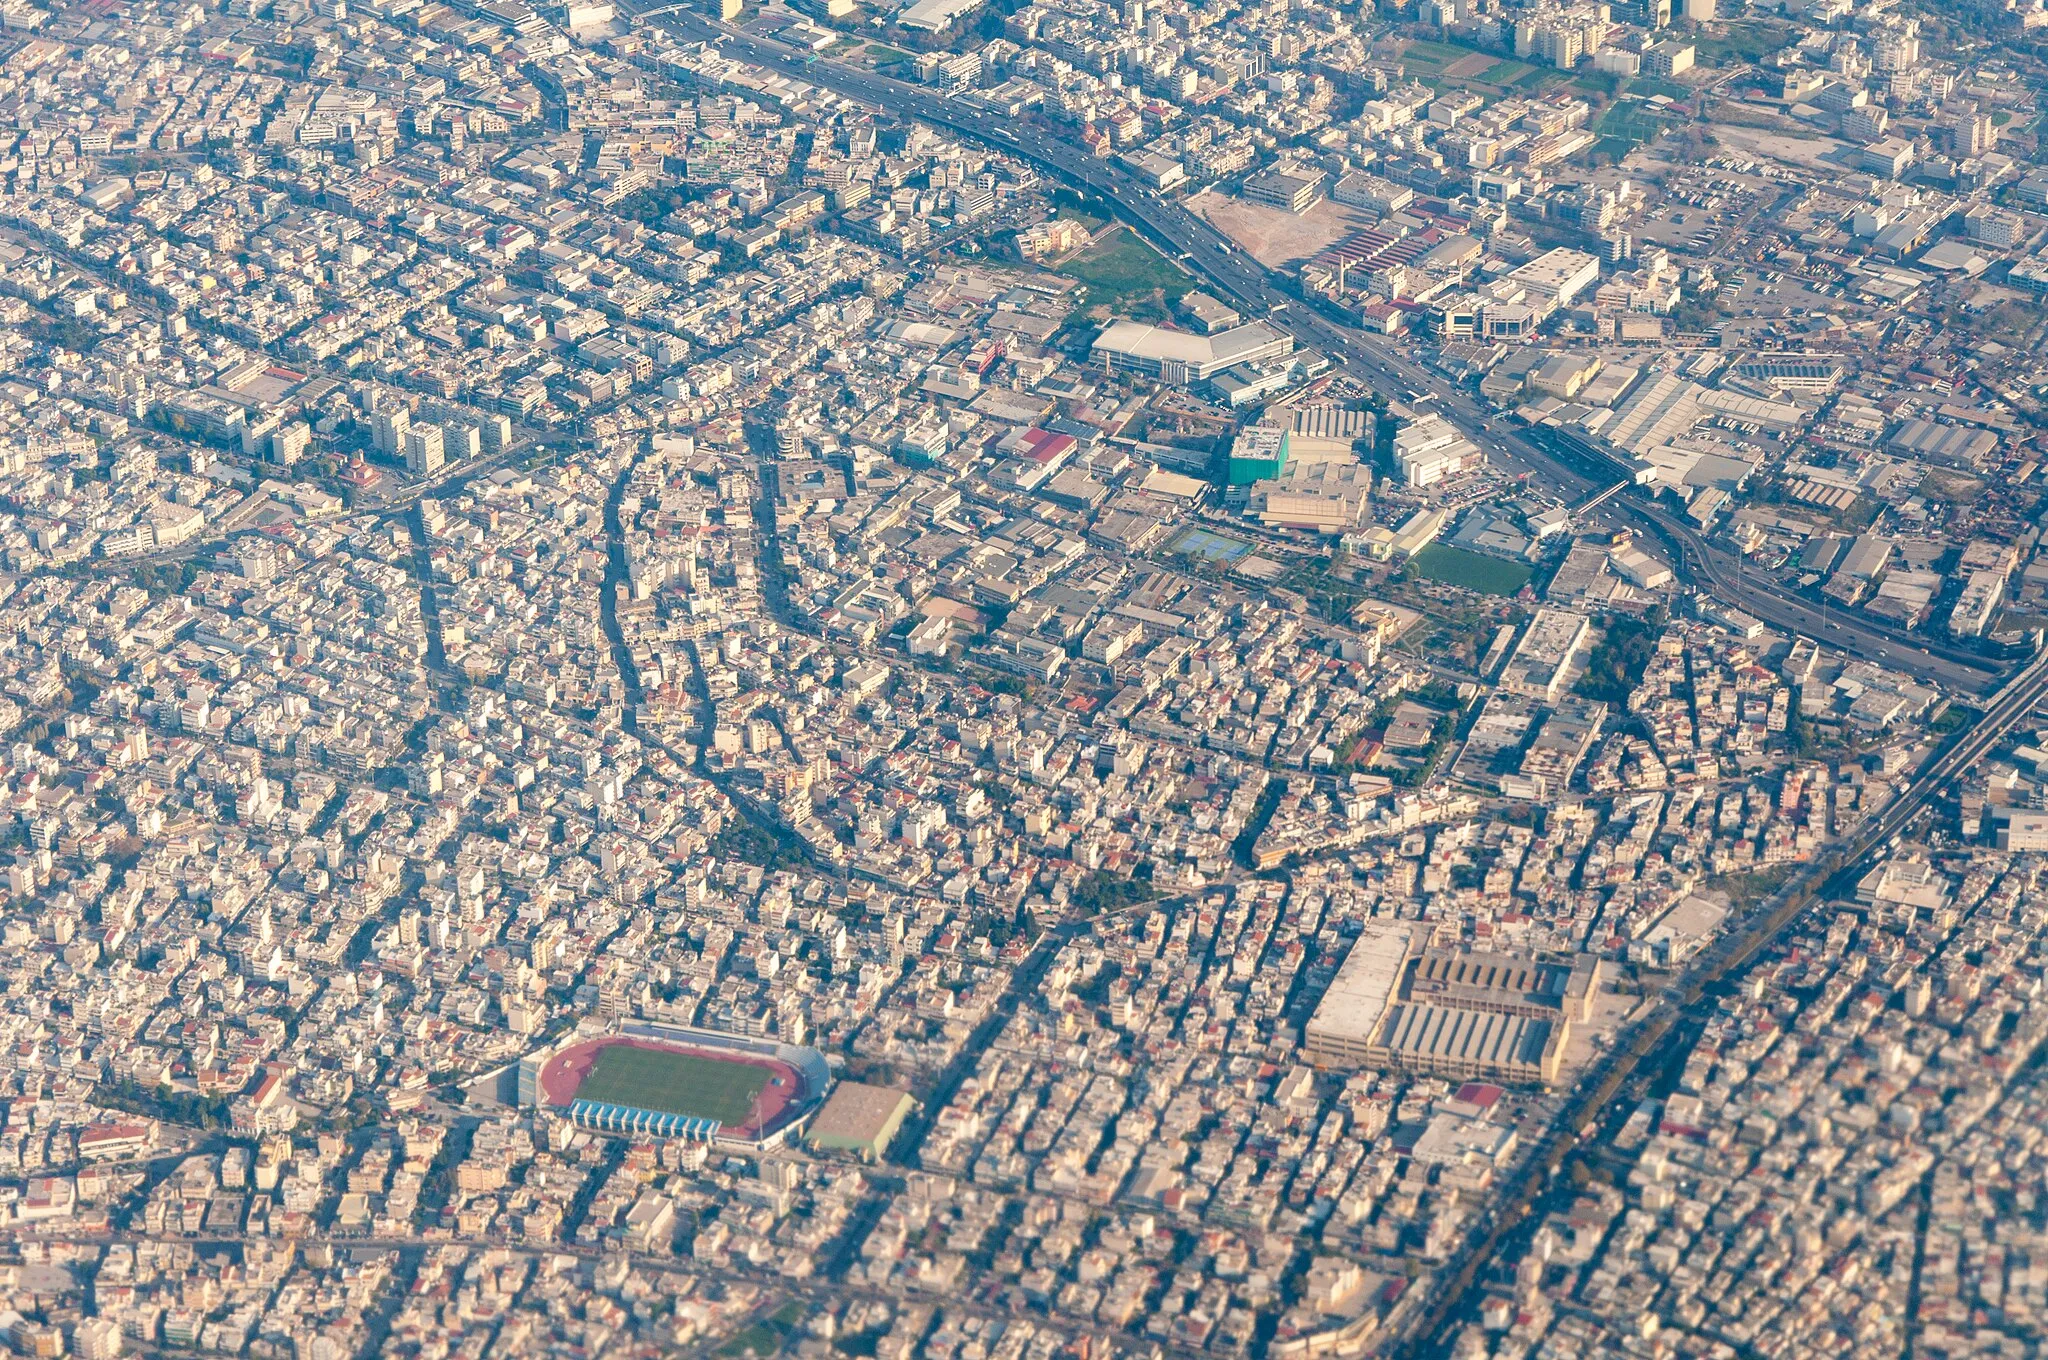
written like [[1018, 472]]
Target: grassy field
[[1438, 64], [767, 1336], [674, 1083], [1625, 127], [1649, 87], [1745, 890], [1740, 43], [1472, 571], [1424, 53], [1953, 487], [1602, 83], [1129, 277]]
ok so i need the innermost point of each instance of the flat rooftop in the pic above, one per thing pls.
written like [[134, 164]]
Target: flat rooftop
[[1367, 983], [859, 1114], [1161, 343]]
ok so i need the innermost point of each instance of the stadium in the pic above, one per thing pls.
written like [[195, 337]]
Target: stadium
[[671, 1081]]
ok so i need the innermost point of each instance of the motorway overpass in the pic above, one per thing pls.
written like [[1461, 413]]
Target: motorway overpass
[[1203, 250]]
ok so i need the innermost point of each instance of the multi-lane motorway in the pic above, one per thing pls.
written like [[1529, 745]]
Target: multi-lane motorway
[[1205, 252], [1575, 471], [1720, 573]]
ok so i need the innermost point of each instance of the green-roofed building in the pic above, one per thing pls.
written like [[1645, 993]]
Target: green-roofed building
[[1259, 453]]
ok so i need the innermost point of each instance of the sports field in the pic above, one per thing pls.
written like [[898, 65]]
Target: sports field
[[675, 1083], [1627, 127], [1215, 547], [1473, 571]]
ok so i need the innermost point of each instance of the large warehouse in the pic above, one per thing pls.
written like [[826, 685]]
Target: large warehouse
[[1399, 1003], [1181, 357], [1956, 446], [1348, 1019]]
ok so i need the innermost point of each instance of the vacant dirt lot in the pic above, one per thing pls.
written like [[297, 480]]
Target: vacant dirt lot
[[1814, 153], [1274, 236]]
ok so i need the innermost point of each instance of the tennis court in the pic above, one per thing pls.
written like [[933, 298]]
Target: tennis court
[[1215, 547]]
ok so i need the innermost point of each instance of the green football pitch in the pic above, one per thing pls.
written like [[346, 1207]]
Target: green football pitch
[[674, 1083]]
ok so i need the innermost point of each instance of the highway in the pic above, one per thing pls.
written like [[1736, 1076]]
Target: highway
[[1703, 564], [1203, 251], [2018, 699], [1576, 471], [1924, 656]]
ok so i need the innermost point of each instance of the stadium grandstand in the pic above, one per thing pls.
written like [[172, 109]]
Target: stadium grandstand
[[674, 1081]]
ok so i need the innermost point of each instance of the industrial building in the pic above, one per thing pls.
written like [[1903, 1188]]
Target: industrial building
[[1638, 567], [1417, 532], [1363, 190], [1180, 357], [1294, 188], [1679, 933], [1347, 1021], [1557, 276], [1400, 1003], [2022, 830], [1956, 446], [1656, 413], [1430, 449], [1324, 497], [1506, 983], [1982, 592], [1794, 372], [1258, 453], [1453, 1042]]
